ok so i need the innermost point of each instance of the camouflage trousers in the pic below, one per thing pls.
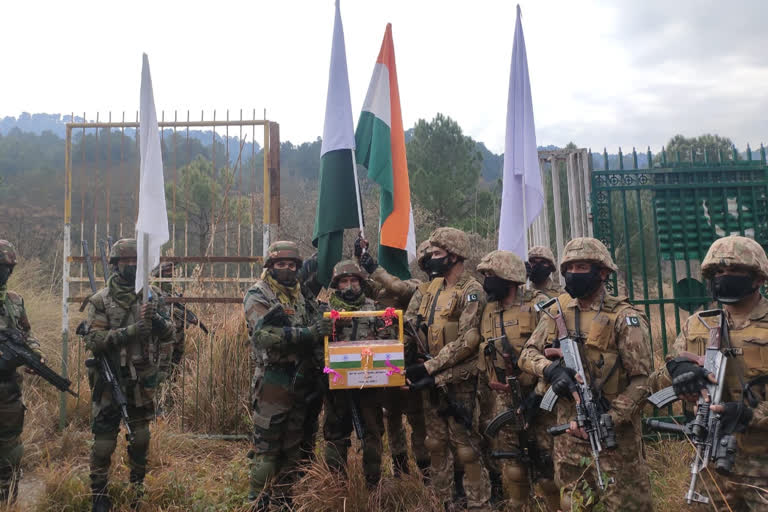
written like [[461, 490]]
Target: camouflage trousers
[[338, 428], [11, 425], [514, 472], [626, 464], [398, 402], [105, 425], [285, 405], [445, 432], [744, 490]]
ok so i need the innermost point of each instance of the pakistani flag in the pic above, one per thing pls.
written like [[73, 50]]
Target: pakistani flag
[[381, 149], [338, 199]]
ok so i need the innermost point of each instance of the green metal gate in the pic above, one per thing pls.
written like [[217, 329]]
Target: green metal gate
[[659, 220]]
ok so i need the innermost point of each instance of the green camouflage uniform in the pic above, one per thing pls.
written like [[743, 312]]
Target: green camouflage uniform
[[505, 329], [284, 386], [337, 424], [12, 315], [745, 488], [166, 289], [452, 314], [140, 364], [616, 353]]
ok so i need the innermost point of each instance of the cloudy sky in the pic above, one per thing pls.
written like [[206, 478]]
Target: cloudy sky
[[603, 73]]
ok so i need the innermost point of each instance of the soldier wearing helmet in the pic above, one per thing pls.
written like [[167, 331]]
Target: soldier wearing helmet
[[736, 268], [450, 310], [13, 315], [539, 267], [138, 341], [617, 361], [507, 322], [286, 332], [347, 294]]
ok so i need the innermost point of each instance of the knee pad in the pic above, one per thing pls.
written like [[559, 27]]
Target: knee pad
[[138, 449], [466, 454], [263, 468], [103, 447], [433, 445]]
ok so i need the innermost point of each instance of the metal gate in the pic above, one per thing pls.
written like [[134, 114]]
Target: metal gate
[[658, 218]]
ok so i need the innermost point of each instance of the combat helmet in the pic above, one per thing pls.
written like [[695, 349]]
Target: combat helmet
[[283, 250], [421, 253], [504, 264], [346, 268], [539, 251], [123, 248], [735, 251], [7, 253], [452, 240], [587, 249]]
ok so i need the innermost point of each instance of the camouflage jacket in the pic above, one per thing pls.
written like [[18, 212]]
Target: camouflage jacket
[[615, 349], [143, 362], [13, 314], [365, 328], [551, 288], [300, 314], [391, 290]]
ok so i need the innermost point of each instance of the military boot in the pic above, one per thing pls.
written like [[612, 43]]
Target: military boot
[[459, 495], [497, 488], [400, 464], [259, 501], [8, 494], [101, 501]]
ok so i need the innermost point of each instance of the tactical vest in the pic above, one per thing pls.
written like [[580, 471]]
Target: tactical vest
[[517, 324], [10, 312], [441, 310], [600, 354], [750, 346], [356, 329]]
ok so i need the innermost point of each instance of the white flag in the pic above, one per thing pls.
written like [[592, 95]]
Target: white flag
[[522, 198], [153, 217]]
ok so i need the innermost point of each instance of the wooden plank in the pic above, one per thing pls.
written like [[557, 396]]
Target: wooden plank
[[274, 173]]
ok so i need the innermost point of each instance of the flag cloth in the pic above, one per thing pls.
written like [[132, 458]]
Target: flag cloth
[[153, 217], [337, 207], [381, 149], [522, 198]]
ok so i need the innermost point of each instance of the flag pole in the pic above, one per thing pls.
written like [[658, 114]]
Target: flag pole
[[357, 196], [525, 219], [145, 275]]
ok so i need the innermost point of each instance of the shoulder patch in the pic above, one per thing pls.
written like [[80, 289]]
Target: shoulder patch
[[633, 321], [472, 297]]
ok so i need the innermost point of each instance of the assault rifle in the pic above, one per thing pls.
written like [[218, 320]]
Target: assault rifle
[[15, 352], [354, 412], [705, 431], [275, 317], [591, 415], [182, 314]]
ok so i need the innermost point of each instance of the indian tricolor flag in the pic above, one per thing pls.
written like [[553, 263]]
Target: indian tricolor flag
[[380, 145]]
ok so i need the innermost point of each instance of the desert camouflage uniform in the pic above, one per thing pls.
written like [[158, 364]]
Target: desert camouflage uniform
[[140, 364], [551, 287], [616, 353], [12, 315], [337, 424], [745, 488], [452, 315], [515, 323], [284, 396]]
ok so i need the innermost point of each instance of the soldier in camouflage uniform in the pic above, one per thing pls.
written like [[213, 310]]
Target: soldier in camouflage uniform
[[348, 294], [451, 307], [539, 267], [616, 353], [138, 340], [284, 350], [507, 322], [14, 316], [736, 268], [397, 293], [166, 288]]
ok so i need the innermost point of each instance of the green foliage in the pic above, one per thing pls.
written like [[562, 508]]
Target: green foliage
[[444, 168], [680, 148]]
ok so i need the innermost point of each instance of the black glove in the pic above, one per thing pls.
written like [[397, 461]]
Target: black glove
[[158, 324], [360, 244], [736, 416], [368, 263], [687, 376], [416, 373], [426, 382], [561, 378], [321, 328]]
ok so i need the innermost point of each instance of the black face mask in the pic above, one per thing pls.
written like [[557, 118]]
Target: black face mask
[[350, 294], [538, 272], [284, 276], [5, 273], [730, 289], [439, 266], [580, 285], [496, 287], [128, 272]]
